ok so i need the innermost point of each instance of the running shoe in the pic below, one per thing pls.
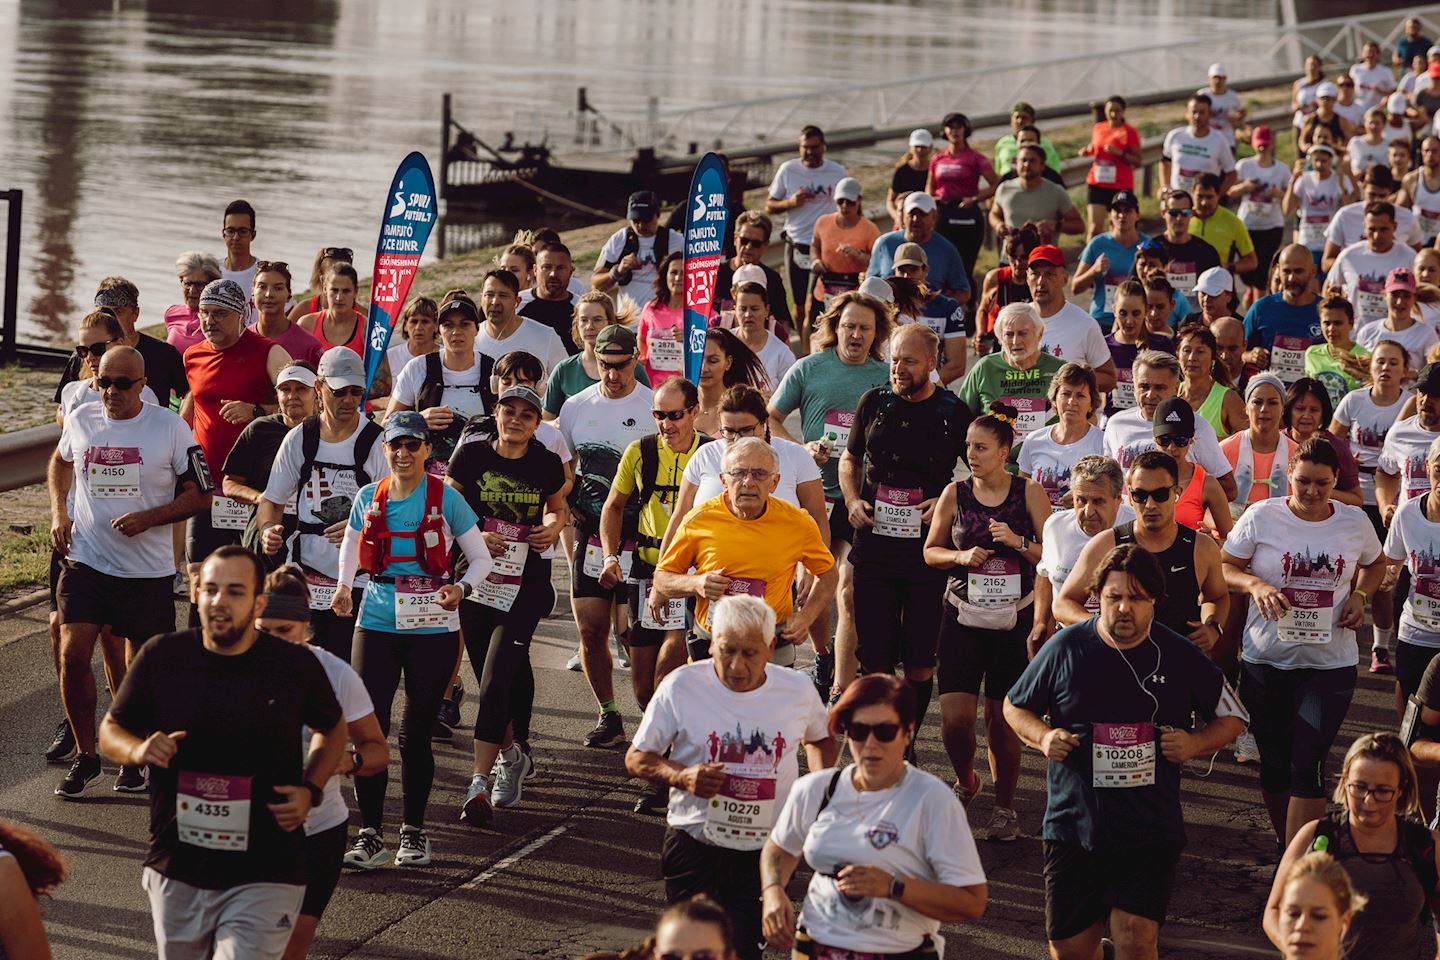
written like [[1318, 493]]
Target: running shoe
[[1004, 825], [439, 732], [130, 779], [62, 748], [367, 852], [450, 707], [609, 731], [573, 664], [1246, 750], [966, 794], [1380, 661], [531, 771], [620, 653], [180, 586], [83, 772], [508, 787], [414, 848], [652, 800], [477, 809]]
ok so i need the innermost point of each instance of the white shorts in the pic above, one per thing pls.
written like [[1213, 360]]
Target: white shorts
[[247, 922]]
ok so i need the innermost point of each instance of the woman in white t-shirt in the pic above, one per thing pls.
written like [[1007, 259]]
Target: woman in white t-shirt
[[891, 849], [1414, 543], [1050, 454], [418, 330], [459, 394], [1296, 557], [287, 616], [752, 326]]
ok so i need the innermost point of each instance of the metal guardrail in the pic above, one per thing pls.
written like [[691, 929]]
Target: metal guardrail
[[9, 316], [25, 454]]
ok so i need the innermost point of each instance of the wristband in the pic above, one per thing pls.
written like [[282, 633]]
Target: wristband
[[317, 796], [259, 411], [1360, 593], [610, 557]]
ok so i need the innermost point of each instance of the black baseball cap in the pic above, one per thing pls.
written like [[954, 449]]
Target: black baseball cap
[[1124, 198], [1428, 382], [1174, 417], [643, 205]]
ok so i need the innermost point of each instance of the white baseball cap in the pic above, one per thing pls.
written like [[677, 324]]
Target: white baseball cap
[[848, 188], [1327, 89], [879, 289], [1397, 104], [1215, 281], [919, 200], [1432, 53], [922, 138], [750, 273], [1217, 70], [294, 373]]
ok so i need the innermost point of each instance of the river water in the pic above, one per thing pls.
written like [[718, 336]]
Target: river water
[[130, 124]]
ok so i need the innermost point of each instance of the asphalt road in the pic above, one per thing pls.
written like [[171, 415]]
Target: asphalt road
[[572, 869]]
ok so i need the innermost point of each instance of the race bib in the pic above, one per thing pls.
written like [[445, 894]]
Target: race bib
[[227, 513], [746, 586], [1370, 300], [838, 424], [740, 816], [802, 260], [213, 811], [1112, 284], [417, 604], [666, 354], [1417, 477], [595, 558], [1104, 171], [1181, 276], [1429, 225], [112, 473], [322, 590], [1425, 602], [1287, 358], [897, 512], [1030, 414], [672, 612], [1123, 396], [833, 288], [1123, 755], [502, 584], [437, 467], [1310, 618], [1185, 179], [1312, 230], [1261, 206], [995, 583]]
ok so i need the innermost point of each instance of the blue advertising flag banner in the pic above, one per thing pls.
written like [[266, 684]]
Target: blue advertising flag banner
[[409, 214], [705, 218]]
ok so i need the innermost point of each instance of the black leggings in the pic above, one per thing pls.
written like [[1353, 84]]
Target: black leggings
[[498, 642], [333, 632], [1294, 716], [427, 660], [967, 238]]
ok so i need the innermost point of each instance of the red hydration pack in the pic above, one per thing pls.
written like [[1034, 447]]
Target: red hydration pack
[[431, 551]]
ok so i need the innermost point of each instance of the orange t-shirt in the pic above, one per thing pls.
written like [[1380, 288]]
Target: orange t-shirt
[[830, 236]]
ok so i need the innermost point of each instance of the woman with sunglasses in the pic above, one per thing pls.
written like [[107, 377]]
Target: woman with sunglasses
[[403, 531], [1390, 858], [1296, 557], [986, 534], [449, 396], [594, 311], [182, 321], [891, 849], [726, 363], [1206, 385], [99, 331], [325, 260]]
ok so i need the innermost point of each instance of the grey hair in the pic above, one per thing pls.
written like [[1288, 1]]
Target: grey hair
[[736, 448], [742, 614], [1097, 469], [1020, 311], [1158, 360], [1433, 453], [194, 260]]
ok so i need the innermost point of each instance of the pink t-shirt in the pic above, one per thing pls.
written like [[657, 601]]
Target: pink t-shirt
[[661, 323], [956, 177], [182, 328]]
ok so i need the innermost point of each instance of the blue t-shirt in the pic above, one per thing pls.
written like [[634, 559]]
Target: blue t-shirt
[[1122, 265], [1271, 317], [1079, 681], [377, 609], [947, 267]]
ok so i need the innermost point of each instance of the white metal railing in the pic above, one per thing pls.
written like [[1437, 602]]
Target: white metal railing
[[1249, 54]]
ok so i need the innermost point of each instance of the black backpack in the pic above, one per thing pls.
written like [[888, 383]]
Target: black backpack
[[432, 388], [370, 432], [632, 244], [1417, 845], [649, 475]]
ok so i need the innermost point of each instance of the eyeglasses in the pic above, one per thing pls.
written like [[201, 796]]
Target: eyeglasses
[[119, 383], [1345, 83], [750, 242], [735, 433], [1360, 791], [1178, 211], [860, 732], [692, 955], [672, 415], [616, 365], [409, 444], [1171, 440], [1140, 495], [337, 253], [96, 350], [188, 284], [758, 474], [236, 232]]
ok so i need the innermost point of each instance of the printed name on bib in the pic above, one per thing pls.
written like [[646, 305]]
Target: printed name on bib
[[672, 612], [502, 585], [897, 511], [666, 354], [417, 604], [213, 811], [1287, 358], [322, 590], [741, 814], [1425, 602], [1311, 616], [1370, 299], [227, 513], [1123, 396], [995, 583], [1029, 414], [1122, 755]]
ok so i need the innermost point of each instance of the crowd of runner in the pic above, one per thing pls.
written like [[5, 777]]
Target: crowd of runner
[[1176, 511]]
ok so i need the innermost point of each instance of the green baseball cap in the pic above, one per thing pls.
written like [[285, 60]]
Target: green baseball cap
[[616, 340]]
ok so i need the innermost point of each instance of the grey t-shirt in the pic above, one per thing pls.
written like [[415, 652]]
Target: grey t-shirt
[[1046, 203]]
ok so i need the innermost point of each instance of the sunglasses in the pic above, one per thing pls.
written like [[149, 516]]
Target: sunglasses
[[1178, 211], [1140, 495], [409, 444], [616, 365], [337, 253], [860, 732], [119, 383], [1173, 441], [96, 350], [751, 242], [271, 266], [345, 393], [672, 415]]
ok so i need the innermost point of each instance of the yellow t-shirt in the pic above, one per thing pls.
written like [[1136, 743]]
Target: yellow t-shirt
[[753, 553], [654, 515]]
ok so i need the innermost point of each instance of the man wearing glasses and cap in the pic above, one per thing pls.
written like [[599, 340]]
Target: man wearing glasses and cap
[[947, 269], [803, 190], [1186, 255], [753, 230], [166, 371], [628, 260], [131, 469]]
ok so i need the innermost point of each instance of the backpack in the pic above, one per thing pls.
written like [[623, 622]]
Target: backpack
[[649, 475], [632, 244], [370, 432], [1417, 845], [938, 454], [432, 388]]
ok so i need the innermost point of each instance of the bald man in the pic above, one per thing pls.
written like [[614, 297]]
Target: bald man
[[1286, 324], [1230, 338], [133, 469]]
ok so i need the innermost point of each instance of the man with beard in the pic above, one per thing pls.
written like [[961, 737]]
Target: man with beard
[[1280, 327], [321, 467], [226, 868], [131, 468], [552, 302], [891, 483]]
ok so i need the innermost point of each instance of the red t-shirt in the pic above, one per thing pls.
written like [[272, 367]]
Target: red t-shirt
[[236, 373], [1108, 170], [955, 177]]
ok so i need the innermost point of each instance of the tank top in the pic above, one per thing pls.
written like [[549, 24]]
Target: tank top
[[971, 528], [1177, 562], [356, 341], [1213, 409], [236, 373], [1190, 508], [1007, 291], [1427, 209], [1390, 925]]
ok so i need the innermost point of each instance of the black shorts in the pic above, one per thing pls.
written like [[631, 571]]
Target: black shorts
[[583, 585], [1083, 886], [969, 655], [645, 636], [135, 608], [840, 529], [1100, 195], [324, 852], [201, 539], [55, 561], [898, 610], [1411, 659], [1295, 716]]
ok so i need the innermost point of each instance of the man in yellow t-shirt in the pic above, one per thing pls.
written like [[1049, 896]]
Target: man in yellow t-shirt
[[746, 541], [650, 472]]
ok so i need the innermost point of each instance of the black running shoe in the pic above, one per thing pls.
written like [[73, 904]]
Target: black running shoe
[[62, 748], [130, 779], [83, 772], [609, 731]]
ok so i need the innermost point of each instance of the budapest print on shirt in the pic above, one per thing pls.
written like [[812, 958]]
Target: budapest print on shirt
[[742, 813], [1309, 581]]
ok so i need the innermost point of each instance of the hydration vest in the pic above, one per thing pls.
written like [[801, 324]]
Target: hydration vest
[[431, 551]]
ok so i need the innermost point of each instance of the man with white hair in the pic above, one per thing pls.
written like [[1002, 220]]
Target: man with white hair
[[721, 734], [747, 542]]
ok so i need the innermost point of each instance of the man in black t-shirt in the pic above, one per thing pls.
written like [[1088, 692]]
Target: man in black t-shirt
[[902, 451], [552, 302], [164, 368], [1118, 693], [228, 793]]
